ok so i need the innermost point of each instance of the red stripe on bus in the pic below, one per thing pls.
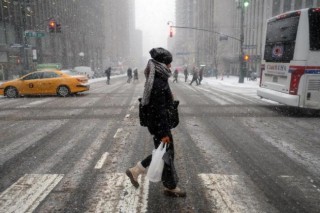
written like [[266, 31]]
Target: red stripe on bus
[[304, 67]]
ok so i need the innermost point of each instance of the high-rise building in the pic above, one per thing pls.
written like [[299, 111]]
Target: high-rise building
[[94, 33], [212, 31]]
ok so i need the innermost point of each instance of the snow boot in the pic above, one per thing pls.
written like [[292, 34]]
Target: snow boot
[[176, 192], [134, 172]]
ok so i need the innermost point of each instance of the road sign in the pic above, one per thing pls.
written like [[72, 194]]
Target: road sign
[[248, 46], [184, 53], [34, 34], [223, 38], [16, 45]]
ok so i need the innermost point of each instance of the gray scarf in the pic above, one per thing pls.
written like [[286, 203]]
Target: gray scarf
[[152, 67]]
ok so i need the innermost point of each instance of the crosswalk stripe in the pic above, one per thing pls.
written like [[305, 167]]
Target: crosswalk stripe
[[116, 194], [101, 161], [27, 193], [35, 103], [229, 193], [117, 133]]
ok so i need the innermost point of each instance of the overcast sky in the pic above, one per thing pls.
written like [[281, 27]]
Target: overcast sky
[[152, 17]]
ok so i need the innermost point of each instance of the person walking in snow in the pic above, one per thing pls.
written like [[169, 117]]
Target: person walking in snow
[[108, 73], [201, 75], [135, 74], [175, 76], [157, 97], [186, 74], [195, 76], [129, 74]]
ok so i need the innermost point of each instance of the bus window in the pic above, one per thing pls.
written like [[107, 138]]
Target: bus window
[[280, 38], [314, 21]]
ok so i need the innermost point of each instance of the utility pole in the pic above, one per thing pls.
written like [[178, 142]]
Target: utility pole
[[242, 63], [24, 37]]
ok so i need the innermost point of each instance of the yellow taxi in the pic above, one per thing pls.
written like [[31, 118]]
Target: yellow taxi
[[45, 82]]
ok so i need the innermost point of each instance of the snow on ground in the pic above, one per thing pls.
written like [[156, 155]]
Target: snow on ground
[[231, 83], [105, 78]]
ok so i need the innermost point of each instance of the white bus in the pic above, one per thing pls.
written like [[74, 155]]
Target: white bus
[[290, 71]]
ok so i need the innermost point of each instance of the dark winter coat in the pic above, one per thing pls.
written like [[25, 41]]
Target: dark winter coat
[[108, 72], [175, 74], [129, 72], [160, 100]]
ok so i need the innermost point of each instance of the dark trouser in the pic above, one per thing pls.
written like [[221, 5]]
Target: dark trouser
[[170, 184], [200, 79], [129, 79], [194, 79]]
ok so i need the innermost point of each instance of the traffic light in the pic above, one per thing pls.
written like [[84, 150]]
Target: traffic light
[[246, 3], [171, 32], [246, 58], [52, 26]]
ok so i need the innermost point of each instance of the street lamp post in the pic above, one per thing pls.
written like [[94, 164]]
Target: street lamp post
[[2, 72], [81, 54], [242, 65], [23, 49]]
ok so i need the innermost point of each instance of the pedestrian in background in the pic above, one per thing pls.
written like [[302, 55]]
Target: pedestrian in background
[[129, 74], [195, 76], [201, 74], [175, 75], [157, 97], [135, 74], [108, 74], [186, 74]]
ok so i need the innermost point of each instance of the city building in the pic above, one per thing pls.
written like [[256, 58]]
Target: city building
[[93, 33], [211, 32]]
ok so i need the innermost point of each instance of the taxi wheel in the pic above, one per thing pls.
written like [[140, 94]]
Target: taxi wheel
[[63, 91], [11, 92]]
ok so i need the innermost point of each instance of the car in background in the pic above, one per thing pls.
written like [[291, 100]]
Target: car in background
[[45, 82], [117, 70], [83, 70], [70, 72]]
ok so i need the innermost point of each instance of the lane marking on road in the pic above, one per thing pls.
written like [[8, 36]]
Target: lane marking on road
[[19, 145], [28, 192], [205, 89], [229, 193], [102, 160], [222, 99], [35, 103], [191, 88], [235, 94], [116, 194], [305, 184], [117, 133]]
